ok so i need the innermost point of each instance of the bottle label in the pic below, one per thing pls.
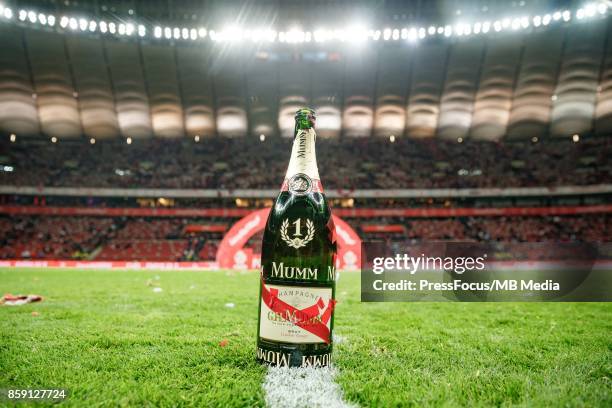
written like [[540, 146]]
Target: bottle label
[[303, 156], [300, 184], [296, 314]]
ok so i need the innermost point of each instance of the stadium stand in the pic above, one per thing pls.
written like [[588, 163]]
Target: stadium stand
[[136, 239], [363, 164]]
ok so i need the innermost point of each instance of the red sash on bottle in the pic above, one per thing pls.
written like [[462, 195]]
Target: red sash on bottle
[[305, 317]]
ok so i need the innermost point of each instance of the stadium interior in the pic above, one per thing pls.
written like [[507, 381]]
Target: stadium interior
[[143, 130]]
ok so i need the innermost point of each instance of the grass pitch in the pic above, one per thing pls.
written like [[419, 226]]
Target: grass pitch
[[110, 339]]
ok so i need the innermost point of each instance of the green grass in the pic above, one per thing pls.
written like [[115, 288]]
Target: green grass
[[109, 339]]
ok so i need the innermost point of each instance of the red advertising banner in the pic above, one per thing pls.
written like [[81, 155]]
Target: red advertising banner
[[203, 265], [391, 228], [205, 228]]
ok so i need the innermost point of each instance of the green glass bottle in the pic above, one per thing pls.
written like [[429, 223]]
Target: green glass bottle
[[298, 258]]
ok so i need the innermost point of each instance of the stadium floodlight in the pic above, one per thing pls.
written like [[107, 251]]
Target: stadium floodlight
[[602, 8], [168, 33], [256, 35], [412, 34], [566, 15], [340, 35], [295, 36], [319, 36], [590, 10], [537, 21]]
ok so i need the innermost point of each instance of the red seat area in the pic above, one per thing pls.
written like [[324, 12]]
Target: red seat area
[[149, 250]]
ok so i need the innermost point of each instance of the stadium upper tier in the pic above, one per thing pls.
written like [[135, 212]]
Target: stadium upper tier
[[514, 84], [220, 163]]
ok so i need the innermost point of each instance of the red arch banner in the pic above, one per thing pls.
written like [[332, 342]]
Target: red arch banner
[[232, 253]]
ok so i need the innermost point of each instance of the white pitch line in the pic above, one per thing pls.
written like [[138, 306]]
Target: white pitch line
[[303, 387]]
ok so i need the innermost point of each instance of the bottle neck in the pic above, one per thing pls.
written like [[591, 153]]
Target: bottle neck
[[304, 157]]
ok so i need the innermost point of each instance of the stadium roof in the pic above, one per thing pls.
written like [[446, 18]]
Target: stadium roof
[[528, 75]]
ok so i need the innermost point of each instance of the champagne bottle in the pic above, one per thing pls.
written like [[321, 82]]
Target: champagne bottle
[[298, 273]]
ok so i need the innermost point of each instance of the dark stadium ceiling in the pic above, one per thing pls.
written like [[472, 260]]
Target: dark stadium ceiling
[[70, 84]]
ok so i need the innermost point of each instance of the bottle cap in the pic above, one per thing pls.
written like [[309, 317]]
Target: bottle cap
[[305, 118]]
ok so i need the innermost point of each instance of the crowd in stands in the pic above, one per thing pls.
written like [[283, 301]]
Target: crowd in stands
[[343, 164], [53, 237], [139, 239], [583, 228]]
